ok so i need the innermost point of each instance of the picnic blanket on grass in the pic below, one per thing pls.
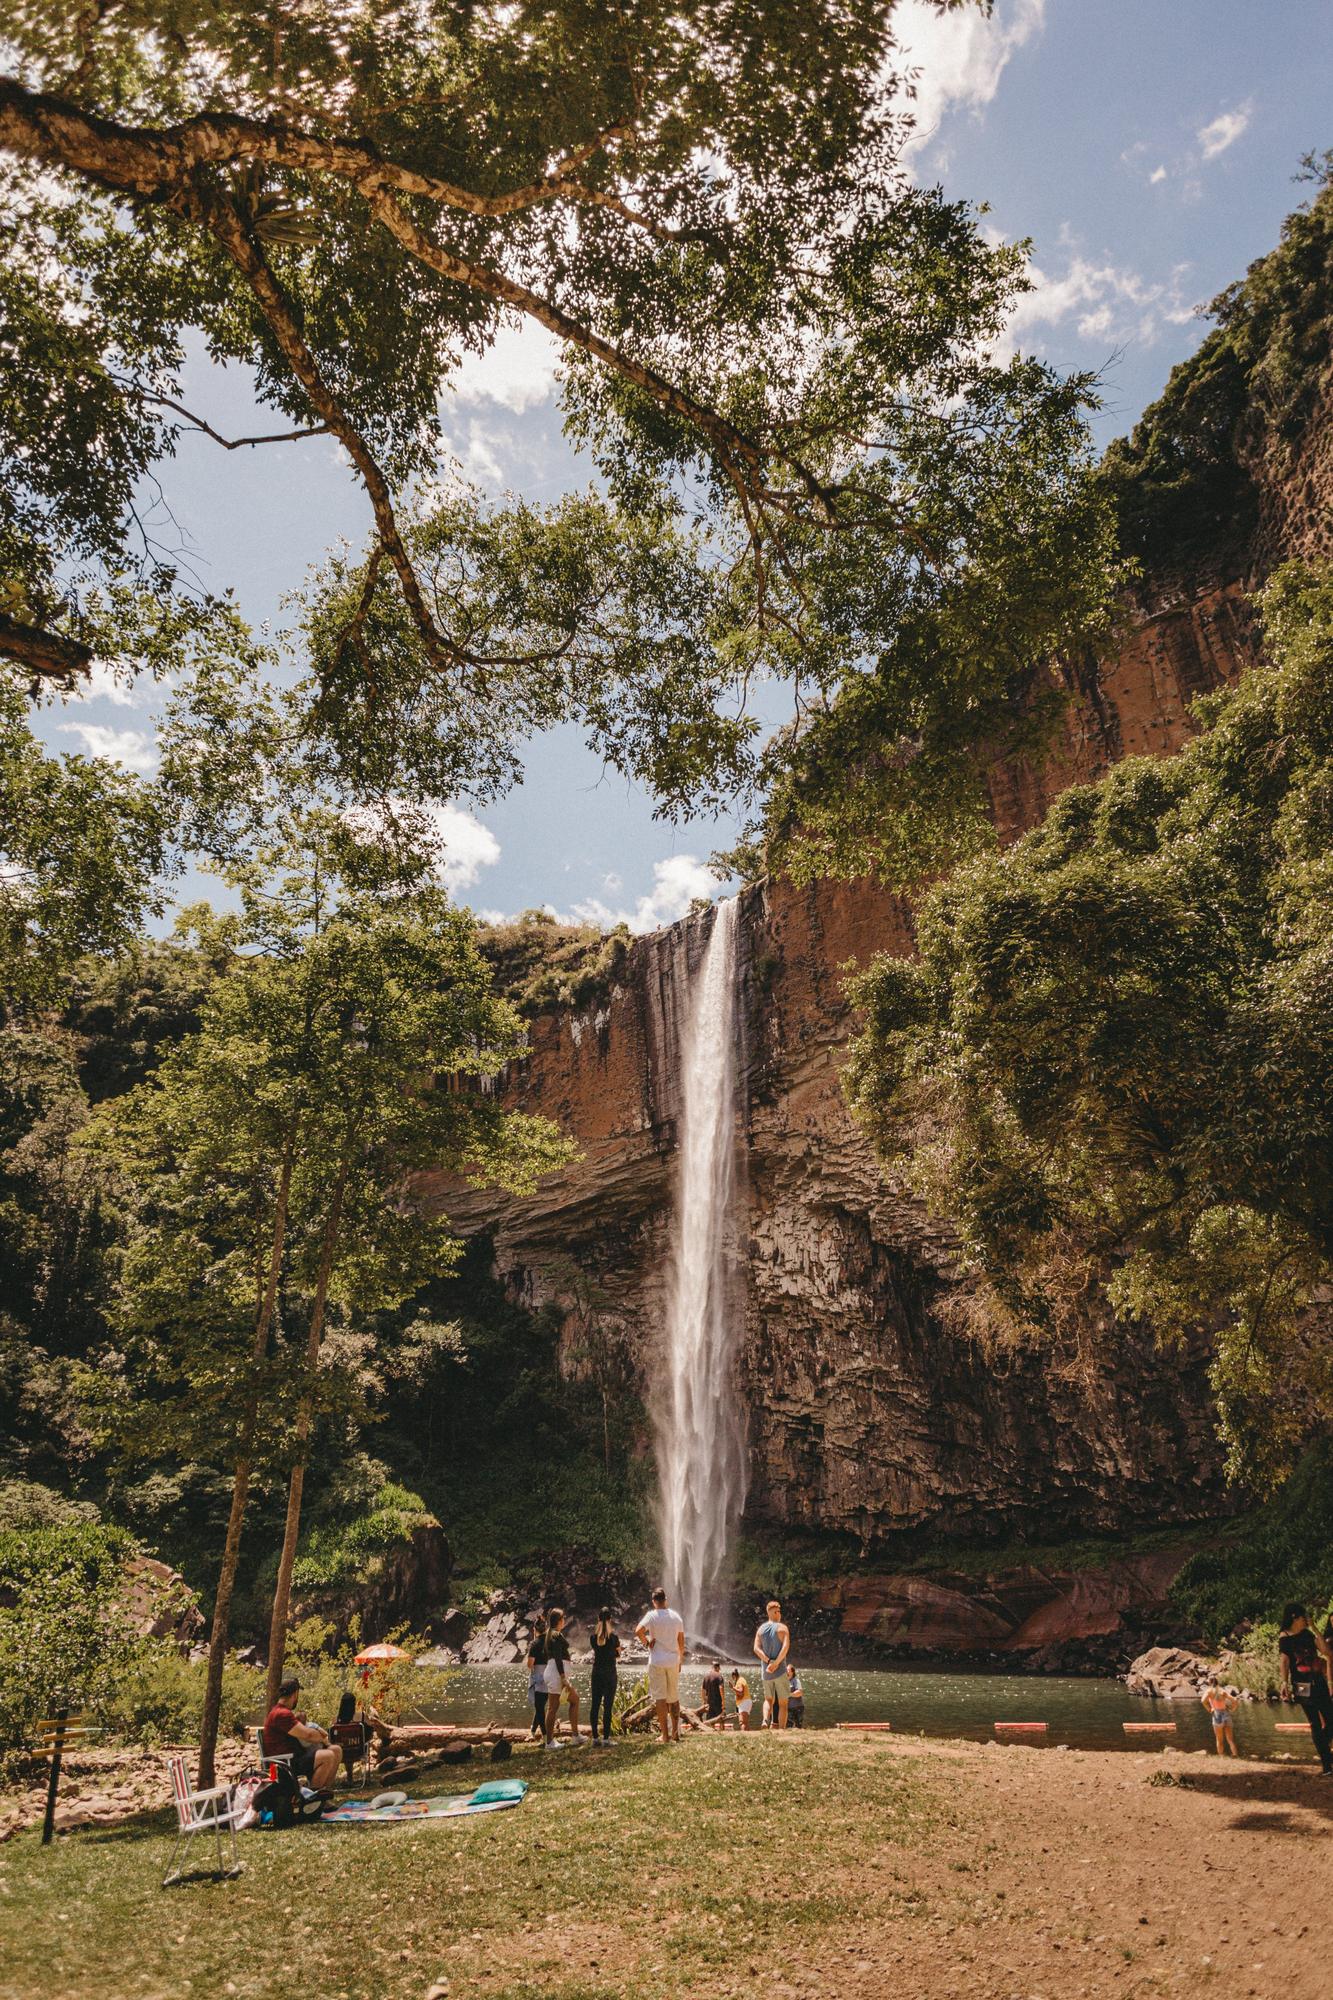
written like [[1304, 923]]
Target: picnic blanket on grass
[[494, 1797]]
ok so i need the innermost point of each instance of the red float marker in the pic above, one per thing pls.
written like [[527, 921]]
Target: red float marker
[[865, 1728], [1026, 1728], [1149, 1728], [1293, 1728]]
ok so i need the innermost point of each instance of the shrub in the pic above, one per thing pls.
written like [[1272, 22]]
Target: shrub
[[159, 1696], [64, 1634], [339, 1552], [1278, 1553], [326, 1667]]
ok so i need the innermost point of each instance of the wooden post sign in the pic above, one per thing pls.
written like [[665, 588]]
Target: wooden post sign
[[58, 1732]]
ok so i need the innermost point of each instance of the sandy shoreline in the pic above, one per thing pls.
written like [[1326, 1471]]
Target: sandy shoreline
[[1074, 1873]]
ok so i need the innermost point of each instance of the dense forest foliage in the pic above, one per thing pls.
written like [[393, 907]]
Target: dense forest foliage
[[1108, 1064], [1184, 481]]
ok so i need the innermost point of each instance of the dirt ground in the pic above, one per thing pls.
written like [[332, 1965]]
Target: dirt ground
[[1065, 1874], [1084, 1877]]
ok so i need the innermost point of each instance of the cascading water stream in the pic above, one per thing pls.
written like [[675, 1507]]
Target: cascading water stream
[[700, 1442]]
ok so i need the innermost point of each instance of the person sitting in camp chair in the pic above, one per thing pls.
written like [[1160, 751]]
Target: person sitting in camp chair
[[352, 1731], [288, 1734]]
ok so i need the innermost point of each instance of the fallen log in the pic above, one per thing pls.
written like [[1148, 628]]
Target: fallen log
[[412, 1737]]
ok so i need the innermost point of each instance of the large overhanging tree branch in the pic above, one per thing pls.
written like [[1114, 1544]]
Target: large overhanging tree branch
[[775, 347], [162, 166], [51, 655], [220, 216]]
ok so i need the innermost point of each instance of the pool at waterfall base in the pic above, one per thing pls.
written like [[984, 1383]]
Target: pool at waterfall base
[[1081, 1714]]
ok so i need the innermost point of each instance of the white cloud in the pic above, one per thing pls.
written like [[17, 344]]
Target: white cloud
[[134, 748], [465, 846], [1224, 130], [1104, 301], [460, 845], [517, 370], [961, 55], [101, 683], [676, 883], [479, 453], [1157, 176]]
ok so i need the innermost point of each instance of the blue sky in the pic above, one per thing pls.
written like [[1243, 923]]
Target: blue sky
[[1146, 148]]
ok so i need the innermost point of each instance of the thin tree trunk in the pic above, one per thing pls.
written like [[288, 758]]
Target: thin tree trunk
[[240, 1488], [282, 1590]]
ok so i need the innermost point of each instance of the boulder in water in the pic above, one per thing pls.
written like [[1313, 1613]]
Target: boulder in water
[[1171, 1673]]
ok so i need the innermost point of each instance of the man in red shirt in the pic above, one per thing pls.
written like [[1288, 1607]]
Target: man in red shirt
[[287, 1734]]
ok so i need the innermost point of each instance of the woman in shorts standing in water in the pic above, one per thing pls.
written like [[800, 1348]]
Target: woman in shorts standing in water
[[1221, 1706]]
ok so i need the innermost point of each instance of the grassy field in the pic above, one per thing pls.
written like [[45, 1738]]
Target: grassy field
[[697, 1869]]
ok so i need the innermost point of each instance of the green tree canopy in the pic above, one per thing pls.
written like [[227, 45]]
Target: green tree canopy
[[1109, 1064], [265, 1166], [778, 348]]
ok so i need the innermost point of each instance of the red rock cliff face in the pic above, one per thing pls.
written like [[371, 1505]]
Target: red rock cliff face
[[867, 1414]]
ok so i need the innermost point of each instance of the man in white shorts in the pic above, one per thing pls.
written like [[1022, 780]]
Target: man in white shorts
[[663, 1632]]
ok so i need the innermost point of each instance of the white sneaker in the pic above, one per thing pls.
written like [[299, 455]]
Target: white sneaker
[[553, 1745]]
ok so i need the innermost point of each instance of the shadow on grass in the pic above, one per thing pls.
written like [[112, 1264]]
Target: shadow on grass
[[542, 1773]]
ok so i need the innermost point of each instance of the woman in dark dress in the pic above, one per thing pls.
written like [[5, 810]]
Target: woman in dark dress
[[605, 1653], [1303, 1659], [537, 1674]]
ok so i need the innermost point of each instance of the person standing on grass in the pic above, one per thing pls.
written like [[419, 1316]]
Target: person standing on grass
[[795, 1699], [772, 1643], [740, 1689], [1302, 1664], [662, 1631], [1221, 1706], [605, 1653], [537, 1675], [559, 1687]]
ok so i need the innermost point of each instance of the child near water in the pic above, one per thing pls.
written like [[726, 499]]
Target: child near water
[[1221, 1706]]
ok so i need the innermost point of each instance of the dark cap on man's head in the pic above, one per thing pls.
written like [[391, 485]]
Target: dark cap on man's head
[[289, 1686]]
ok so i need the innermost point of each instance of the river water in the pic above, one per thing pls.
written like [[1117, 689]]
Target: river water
[[1084, 1714]]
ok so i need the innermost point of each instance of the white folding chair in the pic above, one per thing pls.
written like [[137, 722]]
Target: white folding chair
[[214, 1811]]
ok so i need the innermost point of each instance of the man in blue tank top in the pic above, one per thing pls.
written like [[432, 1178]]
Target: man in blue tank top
[[772, 1643]]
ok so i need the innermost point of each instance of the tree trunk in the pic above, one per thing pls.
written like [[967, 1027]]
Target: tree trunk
[[240, 1487], [282, 1589]]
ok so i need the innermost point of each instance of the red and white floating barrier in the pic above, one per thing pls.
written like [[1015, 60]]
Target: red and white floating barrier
[[1022, 1728], [865, 1728], [1149, 1728]]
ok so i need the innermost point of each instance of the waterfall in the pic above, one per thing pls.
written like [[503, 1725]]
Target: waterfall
[[700, 1441]]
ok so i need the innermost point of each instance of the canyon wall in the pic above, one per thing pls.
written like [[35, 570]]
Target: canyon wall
[[870, 1413]]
